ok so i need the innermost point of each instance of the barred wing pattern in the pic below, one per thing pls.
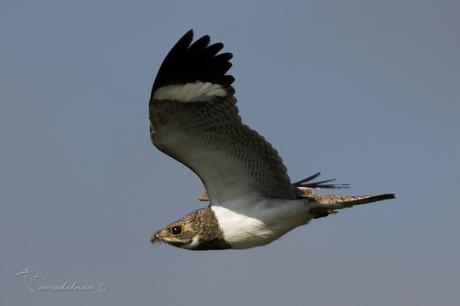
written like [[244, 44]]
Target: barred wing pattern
[[194, 119]]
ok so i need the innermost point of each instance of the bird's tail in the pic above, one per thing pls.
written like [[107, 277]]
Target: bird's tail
[[328, 204]]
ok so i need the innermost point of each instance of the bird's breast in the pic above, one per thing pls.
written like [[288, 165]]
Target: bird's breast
[[251, 222]]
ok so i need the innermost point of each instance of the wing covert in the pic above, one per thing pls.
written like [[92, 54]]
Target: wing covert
[[194, 119]]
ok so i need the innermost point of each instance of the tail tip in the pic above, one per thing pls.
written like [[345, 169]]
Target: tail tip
[[387, 196]]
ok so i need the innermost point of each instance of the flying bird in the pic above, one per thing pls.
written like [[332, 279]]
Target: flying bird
[[195, 120]]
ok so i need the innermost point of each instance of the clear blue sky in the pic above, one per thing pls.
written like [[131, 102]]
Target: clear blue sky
[[365, 91]]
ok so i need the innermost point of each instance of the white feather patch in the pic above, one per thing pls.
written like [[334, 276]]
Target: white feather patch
[[240, 230], [190, 92], [253, 221]]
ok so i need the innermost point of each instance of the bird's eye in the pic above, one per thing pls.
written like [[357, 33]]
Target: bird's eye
[[176, 230]]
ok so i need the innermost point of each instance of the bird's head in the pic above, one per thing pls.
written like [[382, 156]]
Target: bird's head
[[180, 233], [197, 230]]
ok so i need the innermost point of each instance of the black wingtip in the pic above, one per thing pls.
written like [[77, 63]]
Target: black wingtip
[[187, 37], [189, 61]]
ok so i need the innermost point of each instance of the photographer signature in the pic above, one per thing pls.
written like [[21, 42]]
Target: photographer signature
[[36, 283]]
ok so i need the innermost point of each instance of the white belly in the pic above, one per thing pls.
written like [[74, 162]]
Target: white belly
[[256, 221]]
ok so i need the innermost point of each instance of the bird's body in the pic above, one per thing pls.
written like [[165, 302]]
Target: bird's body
[[194, 119], [255, 221]]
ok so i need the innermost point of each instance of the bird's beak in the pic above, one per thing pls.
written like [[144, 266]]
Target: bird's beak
[[155, 237]]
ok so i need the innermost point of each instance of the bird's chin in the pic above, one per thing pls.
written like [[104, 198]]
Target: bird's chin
[[155, 239], [178, 244]]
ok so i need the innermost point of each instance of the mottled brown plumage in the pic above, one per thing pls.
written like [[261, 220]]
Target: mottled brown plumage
[[199, 230], [194, 119]]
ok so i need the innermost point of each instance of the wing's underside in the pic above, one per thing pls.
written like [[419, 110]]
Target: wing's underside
[[194, 119], [303, 188]]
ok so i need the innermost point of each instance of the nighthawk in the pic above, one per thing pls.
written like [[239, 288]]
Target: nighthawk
[[195, 120]]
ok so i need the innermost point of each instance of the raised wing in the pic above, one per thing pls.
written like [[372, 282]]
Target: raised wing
[[194, 119]]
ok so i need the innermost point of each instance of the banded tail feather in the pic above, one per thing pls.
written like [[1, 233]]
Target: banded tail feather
[[327, 204]]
